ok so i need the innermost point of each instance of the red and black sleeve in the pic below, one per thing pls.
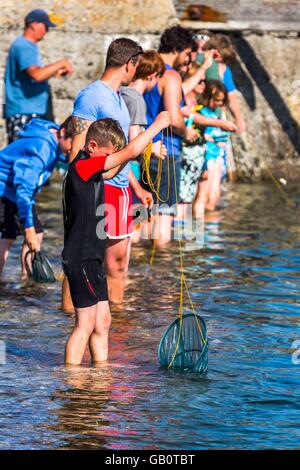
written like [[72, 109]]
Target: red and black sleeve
[[90, 166]]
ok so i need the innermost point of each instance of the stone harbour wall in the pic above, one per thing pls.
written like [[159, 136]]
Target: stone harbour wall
[[268, 78], [84, 31]]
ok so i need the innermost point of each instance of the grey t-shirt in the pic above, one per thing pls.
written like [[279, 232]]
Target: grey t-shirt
[[136, 106]]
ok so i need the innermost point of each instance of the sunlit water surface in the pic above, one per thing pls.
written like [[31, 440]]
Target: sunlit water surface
[[245, 282]]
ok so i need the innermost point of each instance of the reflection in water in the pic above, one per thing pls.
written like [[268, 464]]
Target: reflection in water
[[244, 282]]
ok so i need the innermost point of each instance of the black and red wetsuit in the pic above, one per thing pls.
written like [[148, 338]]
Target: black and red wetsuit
[[84, 243]]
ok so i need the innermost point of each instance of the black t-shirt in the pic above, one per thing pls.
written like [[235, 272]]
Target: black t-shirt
[[83, 207]]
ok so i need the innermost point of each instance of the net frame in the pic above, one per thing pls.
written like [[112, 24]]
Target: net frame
[[172, 351]]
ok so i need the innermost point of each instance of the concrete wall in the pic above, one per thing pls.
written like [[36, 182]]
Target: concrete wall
[[268, 78], [85, 29]]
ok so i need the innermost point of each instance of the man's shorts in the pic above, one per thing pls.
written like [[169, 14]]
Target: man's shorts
[[15, 124], [167, 191], [87, 282], [118, 206], [10, 226]]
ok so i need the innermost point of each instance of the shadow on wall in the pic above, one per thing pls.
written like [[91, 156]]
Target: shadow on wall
[[244, 85], [263, 81]]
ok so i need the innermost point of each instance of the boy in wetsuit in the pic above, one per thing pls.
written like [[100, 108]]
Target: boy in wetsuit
[[84, 243]]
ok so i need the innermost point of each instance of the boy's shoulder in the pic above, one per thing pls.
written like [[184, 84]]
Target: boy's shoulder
[[81, 155], [133, 99], [130, 92]]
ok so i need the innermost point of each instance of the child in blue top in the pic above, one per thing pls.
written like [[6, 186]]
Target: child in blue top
[[25, 166], [213, 98]]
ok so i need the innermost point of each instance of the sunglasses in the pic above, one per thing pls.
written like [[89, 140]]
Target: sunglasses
[[202, 37], [134, 56]]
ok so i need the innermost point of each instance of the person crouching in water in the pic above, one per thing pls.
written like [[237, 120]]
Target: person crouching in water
[[213, 99], [25, 166], [84, 241]]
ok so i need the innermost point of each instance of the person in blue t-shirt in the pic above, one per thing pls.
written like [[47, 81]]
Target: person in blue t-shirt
[[102, 99], [27, 92], [25, 166]]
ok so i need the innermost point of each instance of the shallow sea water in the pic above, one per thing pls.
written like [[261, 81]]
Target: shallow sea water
[[245, 282]]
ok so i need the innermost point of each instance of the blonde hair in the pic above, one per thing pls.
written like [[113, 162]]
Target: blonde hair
[[223, 45], [106, 131]]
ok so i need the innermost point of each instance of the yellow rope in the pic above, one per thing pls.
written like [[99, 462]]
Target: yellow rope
[[154, 185], [155, 188], [146, 176], [289, 201]]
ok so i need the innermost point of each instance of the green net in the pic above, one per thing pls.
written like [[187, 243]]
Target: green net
[[185, 348], [40, 269]]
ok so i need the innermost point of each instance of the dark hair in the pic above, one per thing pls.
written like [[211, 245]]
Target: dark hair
[[68, 125], [212, 89], [176, 39], [223, 45], [106, 131], [121, 51], [150, 62]]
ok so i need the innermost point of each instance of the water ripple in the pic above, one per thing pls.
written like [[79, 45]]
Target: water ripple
[[244, 282]]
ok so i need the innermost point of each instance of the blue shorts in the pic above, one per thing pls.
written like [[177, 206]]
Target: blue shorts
[[168, 192]]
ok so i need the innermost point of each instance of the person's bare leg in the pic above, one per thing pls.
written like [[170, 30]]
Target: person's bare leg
[[24, 252], [5, 245], [66, 299], [212, 168], [116, 266], [181, 211], [215, 185], [162, 230], [200, 198], [99, 338], [84, 325]]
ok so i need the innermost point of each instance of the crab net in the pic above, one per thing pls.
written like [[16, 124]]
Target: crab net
[[184, 345], [40, 269]]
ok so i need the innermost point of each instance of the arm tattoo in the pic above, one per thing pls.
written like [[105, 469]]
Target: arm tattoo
[[80, 125]]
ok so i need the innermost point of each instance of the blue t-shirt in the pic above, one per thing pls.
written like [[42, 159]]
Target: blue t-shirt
[[23, 95], [212, 149], [26, 164], [215, 132], [228, 80], [98, 101]]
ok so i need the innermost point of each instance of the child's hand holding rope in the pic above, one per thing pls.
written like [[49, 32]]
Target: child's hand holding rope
[[159, 150]]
